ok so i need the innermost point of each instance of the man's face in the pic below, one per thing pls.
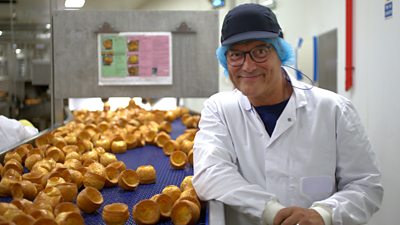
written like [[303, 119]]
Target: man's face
[[256, 80]]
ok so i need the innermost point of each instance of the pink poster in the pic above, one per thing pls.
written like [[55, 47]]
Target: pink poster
[[139, 58]]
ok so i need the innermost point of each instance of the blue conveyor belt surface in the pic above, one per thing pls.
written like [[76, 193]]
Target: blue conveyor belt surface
[[147, 155]]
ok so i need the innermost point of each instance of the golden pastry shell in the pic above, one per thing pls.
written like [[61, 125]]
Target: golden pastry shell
[[128, 179], [186, 146], [186, 183], [115, 214], [165, 202], [93, 180], [173, 191], [45, 221], [89, 199], [65, 207], [185, 212], [119, 146], [190, 157], [23, 219], [31, 160], [146, 212], [69, 191], [170, 146], [162, 138], [146, 174], [119, 165], [69, 218], [107, 158], [111, 175], [178, 159]]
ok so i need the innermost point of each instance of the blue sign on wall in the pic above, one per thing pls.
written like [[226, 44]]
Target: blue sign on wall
[[388, 9]]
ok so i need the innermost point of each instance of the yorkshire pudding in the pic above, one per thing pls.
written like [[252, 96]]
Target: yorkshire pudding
[[146, 174], [146, 212], [178, 159], [115, 214], [89, 200], [185, 212], [128, 180]]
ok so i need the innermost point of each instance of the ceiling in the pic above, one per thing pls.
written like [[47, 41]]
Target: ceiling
[[38, 11], [25, 11], [27, 18]]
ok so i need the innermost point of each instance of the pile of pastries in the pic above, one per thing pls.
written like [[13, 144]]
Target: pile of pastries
[[74, 162], [180, 204]]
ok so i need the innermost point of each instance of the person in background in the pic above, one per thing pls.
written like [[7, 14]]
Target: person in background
[[13, 131], [277, 151]]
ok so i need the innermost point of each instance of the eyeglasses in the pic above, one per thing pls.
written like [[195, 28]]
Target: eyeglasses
[[258, 54]]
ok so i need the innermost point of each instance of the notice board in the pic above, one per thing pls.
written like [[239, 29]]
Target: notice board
[[135, 58], [190, 40]]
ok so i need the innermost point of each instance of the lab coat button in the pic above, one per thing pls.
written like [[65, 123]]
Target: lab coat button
[[289, 119]]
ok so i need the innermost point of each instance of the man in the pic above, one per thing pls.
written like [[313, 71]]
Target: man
[[13, 131], [275, 150]]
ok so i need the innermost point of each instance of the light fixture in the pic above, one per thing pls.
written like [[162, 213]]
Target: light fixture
[[217, 3], [43, 36], [1, 32], [74, 3], [18, 51], [48, 26], [269, 3]]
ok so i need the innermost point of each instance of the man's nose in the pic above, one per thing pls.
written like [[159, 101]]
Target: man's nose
[[248, 64]]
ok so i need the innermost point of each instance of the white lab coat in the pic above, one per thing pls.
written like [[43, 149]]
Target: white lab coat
[[318, 154], [13, 132]]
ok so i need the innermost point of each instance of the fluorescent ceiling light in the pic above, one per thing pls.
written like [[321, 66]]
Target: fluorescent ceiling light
[[43, 36], [269, 3], [74, 3], [1, 32], [217, 3]]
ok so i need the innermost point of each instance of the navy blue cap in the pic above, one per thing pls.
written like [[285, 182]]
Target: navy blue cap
[[249, 21]]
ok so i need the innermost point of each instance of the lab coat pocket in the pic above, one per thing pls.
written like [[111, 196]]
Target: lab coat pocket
[[317, 187]]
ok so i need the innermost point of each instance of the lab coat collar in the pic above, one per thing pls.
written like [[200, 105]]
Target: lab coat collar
[[299, 89], [243, 100], [298, 94]]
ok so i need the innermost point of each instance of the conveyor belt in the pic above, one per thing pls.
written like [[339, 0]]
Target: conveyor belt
[[147, 155]]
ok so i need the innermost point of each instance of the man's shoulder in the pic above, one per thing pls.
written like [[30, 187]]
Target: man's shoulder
[[226, 96], [227, 100], [314, 94], [327, 98]]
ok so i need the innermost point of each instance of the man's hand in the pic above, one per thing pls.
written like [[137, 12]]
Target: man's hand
[[297, 215]]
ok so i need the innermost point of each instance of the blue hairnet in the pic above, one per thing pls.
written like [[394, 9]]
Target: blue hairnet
[[283, 48]]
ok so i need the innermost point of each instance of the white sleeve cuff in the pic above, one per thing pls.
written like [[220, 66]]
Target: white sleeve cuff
[[325, 212], [271, 209]]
